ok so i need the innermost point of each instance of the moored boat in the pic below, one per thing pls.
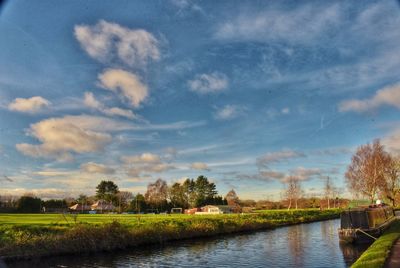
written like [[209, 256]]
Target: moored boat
[[364, 224]]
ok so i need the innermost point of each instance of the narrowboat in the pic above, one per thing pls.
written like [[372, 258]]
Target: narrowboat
[[364, 224]]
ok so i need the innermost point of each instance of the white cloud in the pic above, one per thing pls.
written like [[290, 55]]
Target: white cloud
[[285, 110], [303, 174], [31, 105], [125, 83], [92, 102], [144, 158], [136, 165], [388, 96], [59, 137], [199, 166], [279, 156], [281, 24], [228, 112], [92, 167], [209, 83], [106, 41], [392, 141]]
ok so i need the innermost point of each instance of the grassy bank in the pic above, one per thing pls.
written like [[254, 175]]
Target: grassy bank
[[24, 236], [376, 255]]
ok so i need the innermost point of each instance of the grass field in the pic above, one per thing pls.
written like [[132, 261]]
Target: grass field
[[376, 255], [28, 235]]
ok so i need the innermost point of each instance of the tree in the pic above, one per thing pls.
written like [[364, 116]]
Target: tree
[[157, 194], [293, 190], [138, 203], [328, 190], [124, 197], [177, 196], [190, 192], [232, 198], [366, 173], [29, 204], [107, 190], [205, 191], [391, 184]]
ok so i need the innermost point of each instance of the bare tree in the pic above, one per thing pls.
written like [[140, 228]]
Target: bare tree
[[293, 190], [391, 185], [328, 190], [157, 194], [366, 173], [124, 198]]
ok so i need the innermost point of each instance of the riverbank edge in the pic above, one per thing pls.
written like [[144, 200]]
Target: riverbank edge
[[377, 254], [83, 239]]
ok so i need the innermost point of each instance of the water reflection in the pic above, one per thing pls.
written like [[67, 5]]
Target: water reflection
[[306, 245], [352, 252]]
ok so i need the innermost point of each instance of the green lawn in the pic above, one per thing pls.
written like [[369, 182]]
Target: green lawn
[[28, 235], [41, 220]]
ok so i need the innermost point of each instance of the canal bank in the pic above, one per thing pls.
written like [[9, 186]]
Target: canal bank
[[380, 253], [25, 242], [308, 245]]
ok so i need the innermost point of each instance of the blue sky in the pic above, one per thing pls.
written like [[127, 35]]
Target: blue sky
[[244, 92]]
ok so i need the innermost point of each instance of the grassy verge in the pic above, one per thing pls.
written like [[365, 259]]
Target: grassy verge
[[41, 235], [376, 255]]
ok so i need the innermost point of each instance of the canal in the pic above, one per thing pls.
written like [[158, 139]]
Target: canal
[[304, 245]]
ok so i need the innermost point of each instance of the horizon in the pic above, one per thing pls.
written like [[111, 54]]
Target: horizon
[[245, 93]]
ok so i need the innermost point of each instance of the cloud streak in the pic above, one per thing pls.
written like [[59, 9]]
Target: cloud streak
[[91, 102], [388, 96]]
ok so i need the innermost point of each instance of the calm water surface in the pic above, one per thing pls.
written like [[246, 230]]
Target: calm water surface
[[304, 245]]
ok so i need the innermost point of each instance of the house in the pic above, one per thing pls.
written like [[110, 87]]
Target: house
[[192, 211], [211, 209], [80, 207], [102, 205]]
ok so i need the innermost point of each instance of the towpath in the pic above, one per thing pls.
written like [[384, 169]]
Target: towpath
[[394, 258]]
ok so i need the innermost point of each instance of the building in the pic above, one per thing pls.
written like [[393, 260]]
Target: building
[[211, 209], [102, 205], [80, 207]]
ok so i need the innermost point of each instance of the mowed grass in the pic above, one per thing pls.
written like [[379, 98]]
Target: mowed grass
[[376, 255], [42, 220]]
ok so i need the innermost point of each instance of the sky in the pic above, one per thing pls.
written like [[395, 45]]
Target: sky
[[246, 93]]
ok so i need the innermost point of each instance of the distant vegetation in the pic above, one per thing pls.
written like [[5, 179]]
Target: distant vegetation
[[161, 197]]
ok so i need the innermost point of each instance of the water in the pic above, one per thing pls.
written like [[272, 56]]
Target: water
[[304, 245]]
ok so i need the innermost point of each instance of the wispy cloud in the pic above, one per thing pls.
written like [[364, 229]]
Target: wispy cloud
[[229, 112], [139, 165], [209, 83], [92, 167], [199, 166], [106, 41], [281, 24], [92, 102], [279, 156]]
